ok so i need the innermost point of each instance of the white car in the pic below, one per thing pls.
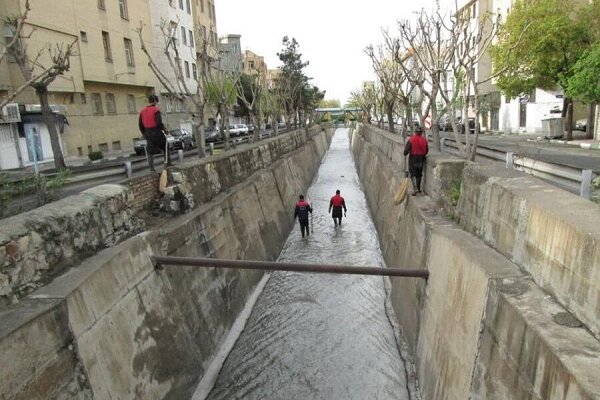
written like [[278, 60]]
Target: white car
[[243, 129], [234, 130]]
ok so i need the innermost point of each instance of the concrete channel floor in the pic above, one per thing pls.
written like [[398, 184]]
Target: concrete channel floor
[[321, 336]]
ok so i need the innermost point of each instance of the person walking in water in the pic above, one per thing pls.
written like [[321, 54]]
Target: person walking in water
[[153, 130], [336, 204], [416, 148], [302, 210]]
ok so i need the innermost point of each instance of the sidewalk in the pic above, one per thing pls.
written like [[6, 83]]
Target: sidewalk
[[579, 139]]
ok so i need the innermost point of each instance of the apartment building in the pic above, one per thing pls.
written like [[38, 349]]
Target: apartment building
[[253, 64], [109, 80], [522, 115], [230, 52], [174, 20]]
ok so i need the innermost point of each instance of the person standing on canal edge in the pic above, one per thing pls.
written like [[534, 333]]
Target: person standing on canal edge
[[302, 210], [153, 130], [336, 203], [416, 148]]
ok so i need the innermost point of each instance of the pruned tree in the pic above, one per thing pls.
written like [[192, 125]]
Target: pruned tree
[[391, 77], [250, 90], [426, 56], [173, 80], [365, 99], [39, 72]]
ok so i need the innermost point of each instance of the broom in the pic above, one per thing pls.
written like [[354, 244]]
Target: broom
[[403, 187]]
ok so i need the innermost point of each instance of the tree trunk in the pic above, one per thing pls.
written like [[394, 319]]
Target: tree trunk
[[435, 128], [569, 119], [199, 131], [591, 121], [50, 120], [253, 119], [390, 116], [224, 126]]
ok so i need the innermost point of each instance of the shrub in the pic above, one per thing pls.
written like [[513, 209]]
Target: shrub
[[95, 155]]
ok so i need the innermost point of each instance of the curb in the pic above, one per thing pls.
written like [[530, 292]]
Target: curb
[[593, 146]]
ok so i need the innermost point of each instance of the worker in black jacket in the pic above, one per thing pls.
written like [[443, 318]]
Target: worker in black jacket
[[301, 212]]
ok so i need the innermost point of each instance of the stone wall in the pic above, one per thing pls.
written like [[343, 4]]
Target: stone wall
[[114, 327], [38, 245], [480, 327]]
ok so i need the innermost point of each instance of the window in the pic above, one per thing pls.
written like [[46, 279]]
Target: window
[[183, 36], [204, 33], [191, 38], [507, 100], [188, 7], [202, 6], [111, 107], [181, 4], [215, 39], [194, 71], [83, 36], [123, 9], [214, 14], [131, 104], [80, 151], [101, 5], [209, 12], [103, 147], [474, 11], [116, 146], [97, 103], [187, 69], [89, 148], [106, 44], [82, 98], [129, 52], [532, 96]]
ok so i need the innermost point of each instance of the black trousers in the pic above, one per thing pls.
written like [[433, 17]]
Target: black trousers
[[304, 227], [155, 144]]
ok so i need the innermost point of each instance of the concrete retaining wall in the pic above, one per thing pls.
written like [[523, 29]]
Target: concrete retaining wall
[[550, 233], [480, 328], [113, 327], [39, 245]]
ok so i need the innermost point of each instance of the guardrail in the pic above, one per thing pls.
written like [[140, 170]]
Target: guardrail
[[575, 180]]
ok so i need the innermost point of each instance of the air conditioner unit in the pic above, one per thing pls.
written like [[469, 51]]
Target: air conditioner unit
[[10, 113]]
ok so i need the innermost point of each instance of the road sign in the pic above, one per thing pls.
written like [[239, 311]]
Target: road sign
[[427, 122]]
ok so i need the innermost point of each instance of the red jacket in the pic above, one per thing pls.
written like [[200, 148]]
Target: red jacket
[[337, 201], [150, 118], [416, 146]]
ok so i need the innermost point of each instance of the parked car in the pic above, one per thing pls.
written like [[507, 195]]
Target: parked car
[[181, 139], [212, 134], [234, 130], [250, 128], [243, 129], [581, 124]]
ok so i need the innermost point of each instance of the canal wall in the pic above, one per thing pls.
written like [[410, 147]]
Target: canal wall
[[483, 325], [114, 327]]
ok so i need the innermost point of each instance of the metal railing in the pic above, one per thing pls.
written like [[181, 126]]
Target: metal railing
[[575, 180], [161, 261]]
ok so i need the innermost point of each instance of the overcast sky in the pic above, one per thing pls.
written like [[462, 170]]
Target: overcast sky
[[332, 34]]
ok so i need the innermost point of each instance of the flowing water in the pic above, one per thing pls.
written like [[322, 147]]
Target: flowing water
[[321, 336]]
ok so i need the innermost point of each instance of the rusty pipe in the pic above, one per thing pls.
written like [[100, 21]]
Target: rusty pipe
[[282, 266]]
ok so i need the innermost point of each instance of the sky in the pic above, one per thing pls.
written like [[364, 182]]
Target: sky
[[332, 34]]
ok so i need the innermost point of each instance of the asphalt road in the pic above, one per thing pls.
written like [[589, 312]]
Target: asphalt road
[[562, 154]]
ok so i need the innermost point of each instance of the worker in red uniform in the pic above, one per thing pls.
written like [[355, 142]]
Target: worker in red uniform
[[416, 148], [301, 212], [153, 130], [336, 204]]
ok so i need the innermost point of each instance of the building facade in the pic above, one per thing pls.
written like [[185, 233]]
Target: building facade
[[254, 64], [108, 80], [230, 53]]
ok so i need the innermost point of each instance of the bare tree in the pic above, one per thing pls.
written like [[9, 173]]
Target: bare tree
[[425, 54], [250, 91], [39, 72], [173, 81]]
